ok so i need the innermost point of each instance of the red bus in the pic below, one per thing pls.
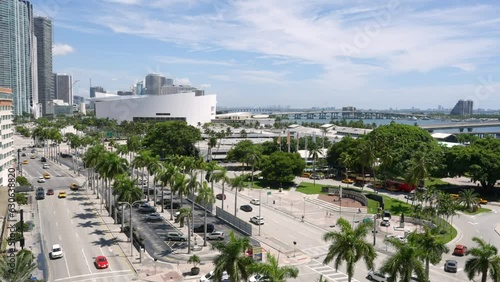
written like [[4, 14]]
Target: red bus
[[401, 186]]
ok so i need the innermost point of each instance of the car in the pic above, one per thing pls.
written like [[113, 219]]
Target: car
[[306, 174], [43, 159], [147, 209], [359, 184], [201, 228], [450, 265], [460, 250], [41, 179], [216, 235], [247, 208], [23, 155], [392, 188], [46, 175], [174, 205], [385, 223], [56, 252], [25, 162], [62, 194], [348, 181], [315, 177], [255, 202], [50, 192], [40, 189], [376, 276], [209, 277], [257, 220], [257, 278], [32, 157], [101, 262], [386, 215], [40, 195], [139, 204], [73, 186], [33, 151], [482, 201], [153, 217], [175, 236], [45, 166], [220, 196]]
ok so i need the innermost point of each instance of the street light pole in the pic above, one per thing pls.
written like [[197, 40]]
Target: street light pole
[[260, 206], [131, 238], [19, 161]]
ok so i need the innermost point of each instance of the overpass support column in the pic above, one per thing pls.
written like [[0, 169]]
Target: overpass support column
[[469, 129]]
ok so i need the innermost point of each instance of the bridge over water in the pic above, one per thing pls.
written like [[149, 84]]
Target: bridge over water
[[461, 126]]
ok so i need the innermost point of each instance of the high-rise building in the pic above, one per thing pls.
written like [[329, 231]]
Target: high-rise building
[[154, 84], [18, 53], [139, 88], [95, 89], [463, 108], [43, 34], [63, 88], [77, 100], [7, 134]]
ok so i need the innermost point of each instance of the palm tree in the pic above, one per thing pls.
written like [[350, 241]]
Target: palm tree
[[483, 258], [205, 198], [181, 185], [404, 262], [232, 258], [126, 189], [237, 183], [166, 176], [140, 162], [20, 270], [185, 214], [90, 160], [210, 169], [112, 165], [192, 187], [431, 245], [153, 166], [253, 158], [314, 152], [349, 245], [221, 176], [469, 198], [419, 169], [347, 161], [271, 271]]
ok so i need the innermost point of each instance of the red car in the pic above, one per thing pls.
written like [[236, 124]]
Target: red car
[[219, 196], [50, 192], [460, 250], [101, 262]]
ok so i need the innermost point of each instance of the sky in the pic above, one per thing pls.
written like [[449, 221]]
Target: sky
[[258, 53]]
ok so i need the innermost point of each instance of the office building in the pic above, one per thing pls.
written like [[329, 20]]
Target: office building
[[77, 100], [6, 134], [63, 88], [58, 107], [463, 108], [43, 34], [18, 54], [95, 89], [139, 88], [154, 84]]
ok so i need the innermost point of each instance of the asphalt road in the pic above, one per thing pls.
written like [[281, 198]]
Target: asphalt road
[[74, 224]]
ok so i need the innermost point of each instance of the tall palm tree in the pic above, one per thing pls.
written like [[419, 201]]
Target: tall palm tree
[[232, 258], [404, 262], [153, 166], [418, 169], [90, 160], [192, 186], [210, 170], [20, 270], [349, 245], [166, 177], [431, 245], [111, 166], [253, 158], [237, 183], [484, 258], [126, 189], [205, 198], [181, 185], [469, 199], [140, 162], [221, 176], [347, 161], [185, 214], [314, 152], [271, 271]]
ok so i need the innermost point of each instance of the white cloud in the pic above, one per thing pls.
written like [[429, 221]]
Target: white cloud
[[59, 49], [205, 85], [178, 60]]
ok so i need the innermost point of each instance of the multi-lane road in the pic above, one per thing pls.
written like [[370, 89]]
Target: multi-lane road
[[73, 223]]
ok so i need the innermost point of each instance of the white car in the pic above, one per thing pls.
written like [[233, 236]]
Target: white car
[[153, 217], [41, 179], [255, 202], [56, 251], [256, 278], [45, 166], [216, 235], [377, 276], [209, 277], [257, 220]]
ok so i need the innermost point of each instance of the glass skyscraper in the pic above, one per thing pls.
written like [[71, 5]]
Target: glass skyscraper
[[17, 53], [43, 34]]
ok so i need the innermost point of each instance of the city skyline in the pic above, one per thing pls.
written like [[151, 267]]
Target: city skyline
[[323, 54]]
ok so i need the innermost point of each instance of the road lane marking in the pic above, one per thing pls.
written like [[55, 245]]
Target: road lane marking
[[76, 234], [60, 238], [95, 275], [86, 261], [57, 224], [67, 267], [109, 266]]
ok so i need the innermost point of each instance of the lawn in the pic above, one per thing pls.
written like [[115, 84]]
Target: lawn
[[478, 211], [435, 182], [309, 188]]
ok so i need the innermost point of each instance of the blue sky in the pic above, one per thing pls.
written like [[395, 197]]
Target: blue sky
[[322, 53]]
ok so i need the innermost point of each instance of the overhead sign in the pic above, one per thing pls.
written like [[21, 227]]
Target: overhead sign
[[257, 253]]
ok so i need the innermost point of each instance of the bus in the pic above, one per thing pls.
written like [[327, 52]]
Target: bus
[[401, 186]]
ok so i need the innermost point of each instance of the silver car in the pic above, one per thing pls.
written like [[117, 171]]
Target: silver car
[[376, 276], [216, 235]]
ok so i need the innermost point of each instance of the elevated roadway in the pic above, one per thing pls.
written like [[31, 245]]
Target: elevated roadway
[[460, 125]]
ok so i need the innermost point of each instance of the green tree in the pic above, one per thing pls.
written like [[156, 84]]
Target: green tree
[[237, 183], [205, 198], [172, 138], [240, 151], [22, 269], [349, 246], [232, 259], [222, 177], [431, 245], [404, 262], [126, 189], [185, 215], [253, 158], [282, 167], [20, 199], [483, 259], [22, 181], [271, 271], [469, 199]]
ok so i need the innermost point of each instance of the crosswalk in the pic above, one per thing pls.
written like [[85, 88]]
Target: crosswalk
[[316, 252], [328, 272]]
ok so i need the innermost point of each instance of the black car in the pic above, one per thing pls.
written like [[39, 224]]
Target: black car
[[140, 203], [40, 195], [23, 155], [147, 209], [201, 228], [43, 159], [174, 205], [247, 208], [166, 201]]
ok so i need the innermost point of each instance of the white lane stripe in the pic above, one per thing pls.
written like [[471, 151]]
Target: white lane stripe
[[95, 275], [67, 267], [86, 261]]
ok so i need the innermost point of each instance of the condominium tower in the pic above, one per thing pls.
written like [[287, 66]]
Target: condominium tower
[[43, 34], [463, 108], [63, 88], [18, 53]]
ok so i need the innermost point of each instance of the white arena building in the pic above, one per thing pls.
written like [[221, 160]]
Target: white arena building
[[183, 106]]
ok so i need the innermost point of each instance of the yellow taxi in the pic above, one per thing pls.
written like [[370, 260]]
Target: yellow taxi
[[32, 157], [62, 194], [392, 189], [25, 162], [46, 175], [73, 186], [482, 201], [454, 196], [348, 181]]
